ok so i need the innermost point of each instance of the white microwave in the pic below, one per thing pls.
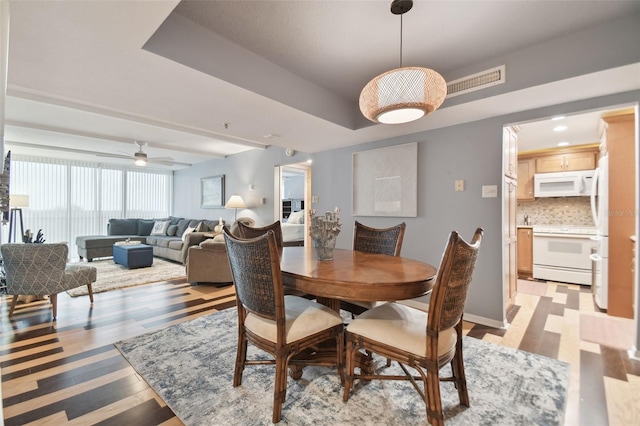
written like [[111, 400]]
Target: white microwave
[[563, 184]]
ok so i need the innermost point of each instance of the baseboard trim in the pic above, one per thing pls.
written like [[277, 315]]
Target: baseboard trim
[[485, 321]]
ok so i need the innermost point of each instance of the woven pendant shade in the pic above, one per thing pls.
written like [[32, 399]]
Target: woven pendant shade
[[402, 95]]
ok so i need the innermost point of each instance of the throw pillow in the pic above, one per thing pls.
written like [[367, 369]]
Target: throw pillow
[[187, 232], [182, 225], [145, 227], [296, 217], [160, 227], [171, 230]]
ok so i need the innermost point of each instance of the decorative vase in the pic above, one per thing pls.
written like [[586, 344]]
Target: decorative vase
[[323, 231], [218, 228]]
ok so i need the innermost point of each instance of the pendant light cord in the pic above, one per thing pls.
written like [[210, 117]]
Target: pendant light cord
[[400, 41]]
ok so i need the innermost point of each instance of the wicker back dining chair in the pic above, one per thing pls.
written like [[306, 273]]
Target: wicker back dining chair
[[42, 270], [378, 241], [245, 231], [390, 330], [280, 325]]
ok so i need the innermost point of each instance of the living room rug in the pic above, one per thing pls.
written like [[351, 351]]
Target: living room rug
[[112, 276], [190, 365]]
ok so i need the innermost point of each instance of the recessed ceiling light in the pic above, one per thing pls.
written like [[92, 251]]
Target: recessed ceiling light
[[563, 143], [558, 117], [270, 136], [560, 128]]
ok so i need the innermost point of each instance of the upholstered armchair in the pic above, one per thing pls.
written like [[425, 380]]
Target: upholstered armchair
[[208, 261], [42, 270]]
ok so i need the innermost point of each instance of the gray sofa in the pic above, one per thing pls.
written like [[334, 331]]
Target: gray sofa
[[170, 245]]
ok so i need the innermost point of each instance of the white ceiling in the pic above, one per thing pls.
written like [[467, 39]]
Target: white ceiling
[[95, 76]]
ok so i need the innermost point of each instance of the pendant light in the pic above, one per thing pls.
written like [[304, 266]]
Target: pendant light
[[404, 94]]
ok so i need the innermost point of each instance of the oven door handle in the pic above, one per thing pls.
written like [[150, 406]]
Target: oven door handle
[[574, 236]]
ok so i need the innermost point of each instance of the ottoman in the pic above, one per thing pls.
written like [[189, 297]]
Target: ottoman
[[133, 255]]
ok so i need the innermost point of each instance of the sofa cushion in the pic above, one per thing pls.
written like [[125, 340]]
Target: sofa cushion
[[145, 226], [160, 227], [171, 230], [164, 241], [123, 227], [176, 244], [99, 241]]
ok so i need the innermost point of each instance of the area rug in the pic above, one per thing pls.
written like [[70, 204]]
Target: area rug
[[112, 276], [190, 365]]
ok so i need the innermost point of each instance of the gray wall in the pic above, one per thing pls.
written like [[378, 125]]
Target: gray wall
[[254, 167], [471, 151]]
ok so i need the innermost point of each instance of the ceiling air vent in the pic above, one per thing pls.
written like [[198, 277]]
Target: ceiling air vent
[[477, 81]]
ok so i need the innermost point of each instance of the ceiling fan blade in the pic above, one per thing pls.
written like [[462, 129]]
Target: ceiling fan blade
[[156, 159], [100, 154], [168, 163]]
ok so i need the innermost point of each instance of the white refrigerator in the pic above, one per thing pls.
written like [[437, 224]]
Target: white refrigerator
[[600, 212]]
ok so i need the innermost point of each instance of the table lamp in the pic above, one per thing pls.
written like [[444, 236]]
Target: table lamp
[[235, 202], [17, 203]]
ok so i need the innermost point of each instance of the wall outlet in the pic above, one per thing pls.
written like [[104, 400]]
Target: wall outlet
[[489, 191], [459, 185], [315, 198]]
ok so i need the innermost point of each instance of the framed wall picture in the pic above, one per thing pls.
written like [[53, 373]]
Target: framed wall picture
[[212, 192], [385, 181]]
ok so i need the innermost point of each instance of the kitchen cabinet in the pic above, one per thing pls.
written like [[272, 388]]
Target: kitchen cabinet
[[566, 162], [525, 251], [526, 170], [510, 151], [620, 143]]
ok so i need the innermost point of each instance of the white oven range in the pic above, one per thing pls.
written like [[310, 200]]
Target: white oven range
[[562, 253]]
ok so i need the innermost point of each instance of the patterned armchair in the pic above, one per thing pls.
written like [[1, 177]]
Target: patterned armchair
[[41, 269]]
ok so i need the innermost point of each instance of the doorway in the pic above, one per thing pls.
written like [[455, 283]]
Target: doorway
[[544, 137], [292, 195]]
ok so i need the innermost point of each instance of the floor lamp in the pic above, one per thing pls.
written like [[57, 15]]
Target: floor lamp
[[17, 203], [235, 202]]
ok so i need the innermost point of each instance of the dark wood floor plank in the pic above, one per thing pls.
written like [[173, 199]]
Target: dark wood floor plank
[[79, 405], [56, 363], [30, 357], [18, 349], [612, 363], [534, 334], [148, 413]]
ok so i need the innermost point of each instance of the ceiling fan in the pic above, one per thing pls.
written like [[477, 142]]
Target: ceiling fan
[[141, 159]]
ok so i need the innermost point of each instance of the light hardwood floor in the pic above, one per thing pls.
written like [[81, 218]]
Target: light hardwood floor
[[69, 372]]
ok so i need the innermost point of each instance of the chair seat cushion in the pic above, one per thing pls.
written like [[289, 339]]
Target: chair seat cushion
[[421, 302], [402, 327], [303, 318], [76, 275]]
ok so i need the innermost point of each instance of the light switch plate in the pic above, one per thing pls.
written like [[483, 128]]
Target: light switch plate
[[489, 191], [315, 198]]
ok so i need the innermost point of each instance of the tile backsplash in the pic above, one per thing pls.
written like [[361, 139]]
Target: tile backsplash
[[574, 211]]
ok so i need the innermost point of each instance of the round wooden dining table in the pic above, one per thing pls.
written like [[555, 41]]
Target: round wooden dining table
[[355, 275], [351, 275]]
